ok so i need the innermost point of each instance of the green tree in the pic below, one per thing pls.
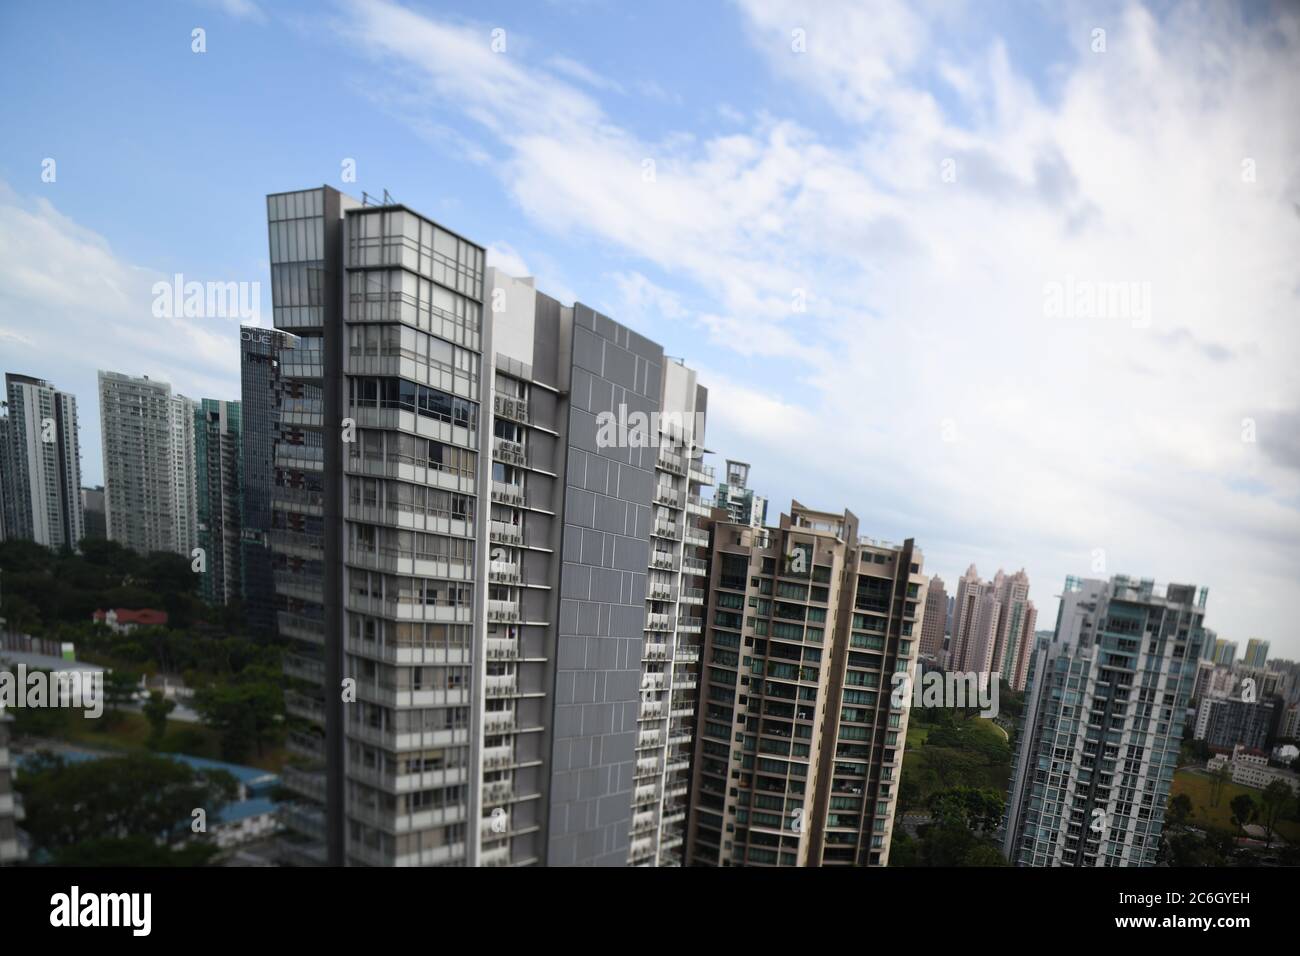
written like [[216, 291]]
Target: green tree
[[156, 709], [136, 796], [1243, 810], [1273, 804], [1218, 778], [1180, 809], [120, 687]]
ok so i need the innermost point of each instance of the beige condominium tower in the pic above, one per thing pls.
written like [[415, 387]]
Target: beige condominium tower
[[799, 748]]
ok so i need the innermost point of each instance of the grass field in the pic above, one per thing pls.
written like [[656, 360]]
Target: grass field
[[129, 733], [1197, 787]]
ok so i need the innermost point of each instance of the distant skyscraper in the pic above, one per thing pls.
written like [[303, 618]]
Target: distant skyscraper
[[975, 628], [935, 622], [148, 447], [734, 494], [1224, 722], [1256, 653], [92, 508], [184, 458], [1225, 652], [799, 747], [1103, 725], [269, 401], [1016, 620], [40, 464], [993, 626], [216, 443]]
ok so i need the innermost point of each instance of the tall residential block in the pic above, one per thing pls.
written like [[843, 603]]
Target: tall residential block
[[148, 447], [799, 746], [975, 625], [993, 626], [92, 510], [1225, 652], [936, 619], [40, 464], [454, 538], [1016, 623], [217, 501], [743, 504], [1103, 724], [266, 395], [1256, 653]]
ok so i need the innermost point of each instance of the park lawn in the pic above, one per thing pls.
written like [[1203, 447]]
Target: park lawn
[[1197, 788], [916, 734], [129, 732]]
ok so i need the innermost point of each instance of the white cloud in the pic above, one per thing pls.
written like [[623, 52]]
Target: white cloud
[[926, 296], [68, 287]]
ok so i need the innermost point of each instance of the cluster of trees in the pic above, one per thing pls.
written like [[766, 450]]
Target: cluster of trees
[[45, 589], [135, 810], [1183, 845], [960, 832], [960, 751], [237, 680]]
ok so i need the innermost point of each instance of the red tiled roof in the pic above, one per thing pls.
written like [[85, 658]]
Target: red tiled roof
[[145, 616]]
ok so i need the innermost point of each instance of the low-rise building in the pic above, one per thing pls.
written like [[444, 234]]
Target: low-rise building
[[123, 620]]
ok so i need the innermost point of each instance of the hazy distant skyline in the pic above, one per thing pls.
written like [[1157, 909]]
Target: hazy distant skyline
[[877, 230]]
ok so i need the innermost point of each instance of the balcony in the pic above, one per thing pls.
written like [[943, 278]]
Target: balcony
[[503, 572], [307, 783], [687, 653], [500, 685], [308, 708], [701, 473], [649, 738], [663, 560], [508, 494], [642, 848], [658, 622], [506, 612], [699, 506], [643, 822], [690, 625], [496, 758], [651, 710], [647, 767], [503, 532], [515, 409], [498, 722], [502, 649], [653, 681], [692, 596], [659, 592], [655, 652], [497, 793], [511, 452], [307, 746], [671, 461], [695, 566], [666, 529], [697, 537], [665, 495], [304, 668]]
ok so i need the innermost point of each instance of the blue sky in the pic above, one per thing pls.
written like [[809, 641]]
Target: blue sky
[[917, 177]]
